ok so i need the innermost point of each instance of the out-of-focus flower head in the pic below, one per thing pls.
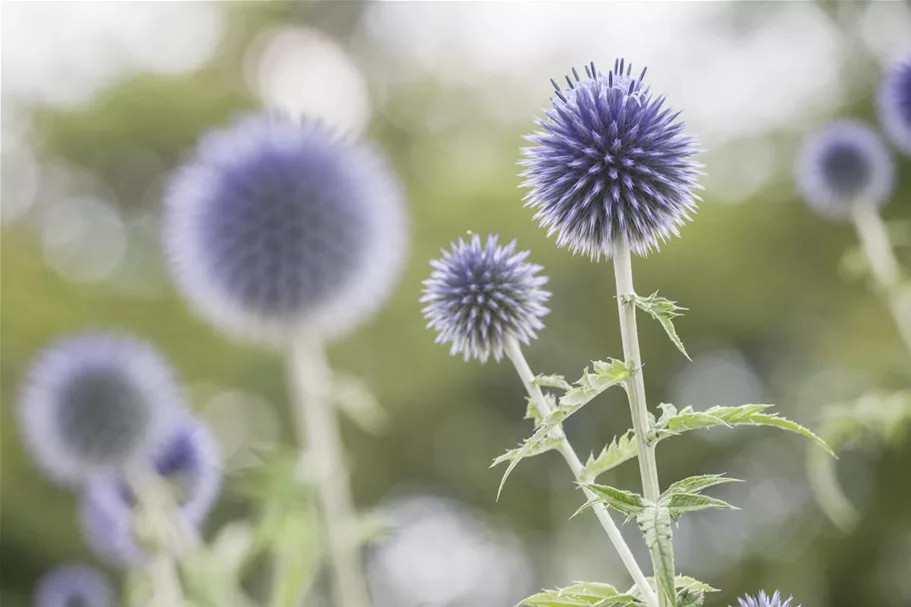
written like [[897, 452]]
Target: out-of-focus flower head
[[74, 585], [610, 163], [275, 225], [480, 294], [895, 103], [96, 403]]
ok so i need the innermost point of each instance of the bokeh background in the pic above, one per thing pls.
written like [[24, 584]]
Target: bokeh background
[[100, 101]]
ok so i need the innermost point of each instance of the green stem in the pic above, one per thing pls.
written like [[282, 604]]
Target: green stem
[[317, 427], [514, 352], [874, 240], [648, 467]]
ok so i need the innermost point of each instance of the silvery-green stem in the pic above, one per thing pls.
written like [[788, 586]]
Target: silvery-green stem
[[648, 468], [874, 240], [317, 428], [514, 353]]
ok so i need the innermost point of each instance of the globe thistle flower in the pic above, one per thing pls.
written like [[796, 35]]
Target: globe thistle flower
[[478, 295], [843, 166], [895, 103], [274, 225], [610, 163], [190, 464], [95, 403], [764, 600], [74, 585]]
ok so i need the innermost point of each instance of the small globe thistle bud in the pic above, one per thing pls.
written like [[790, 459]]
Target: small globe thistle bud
[[190, 465], [275, 224], [74, 586], [843, 166], [95, 403], [610, 163], [895, 103], [764, 600], [478, 295]]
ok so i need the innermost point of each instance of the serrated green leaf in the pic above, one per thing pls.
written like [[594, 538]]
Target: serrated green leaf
[[552, 381], [626, 502], [655, 523], [548, 444], [663, 310], [621, 449], [696, 484], [681, 503], [604, 375], [682, 582], [749, 415], [583, 594]]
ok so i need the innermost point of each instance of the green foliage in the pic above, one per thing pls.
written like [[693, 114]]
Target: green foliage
[[690, 591], [626, 502], [685, 495], [623, 448], [655, 523], [673, 422], [661, 309], [604, 374], [583, 594]]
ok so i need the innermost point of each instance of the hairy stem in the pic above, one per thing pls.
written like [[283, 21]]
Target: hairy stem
[[514, 352], [648, 467], [874, 240], [317, 427]]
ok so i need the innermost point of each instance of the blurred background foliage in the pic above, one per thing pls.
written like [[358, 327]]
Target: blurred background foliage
[[101, 101]]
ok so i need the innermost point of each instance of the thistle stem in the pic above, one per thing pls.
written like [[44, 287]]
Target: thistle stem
[[514, 352], [317, 427], [648, 467], [874, 240]]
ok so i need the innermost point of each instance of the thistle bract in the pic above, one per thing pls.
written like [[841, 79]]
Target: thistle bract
[[274, 225], [95, 403], [74, 586], [190, 465], [610, 163], [764, 600], [843, 167], [895, 103], [480, 294]]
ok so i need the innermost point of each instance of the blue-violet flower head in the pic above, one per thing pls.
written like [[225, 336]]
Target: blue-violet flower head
[[74, 585], [895, 103], [276, 224], [188, 462], [764, 600], [478, 295], [94, 403], [610, 164], [844, 167]]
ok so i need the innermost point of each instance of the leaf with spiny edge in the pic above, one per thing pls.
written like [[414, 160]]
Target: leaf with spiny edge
[[583, 594], [548, 444], [623, 501], [681, 503], [661, 309], [655, 523], [605, 374], [623, 448], [552, 381], [696, 484], [690, 591], [742, 415]]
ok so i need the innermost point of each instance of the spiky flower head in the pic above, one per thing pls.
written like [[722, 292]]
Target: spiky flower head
[[895, 103], [843, 167], [276, 224], [764, 600], [610, 164], [190, 465], [95, 403], [480, 294], [74, 585]]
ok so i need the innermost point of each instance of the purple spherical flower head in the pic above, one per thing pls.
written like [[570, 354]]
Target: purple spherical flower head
[[478, 295], [842, 167], [895, 103], [276, 224], [189, 462], [764, 600], [74, 585], [95, 403], [610, 163]]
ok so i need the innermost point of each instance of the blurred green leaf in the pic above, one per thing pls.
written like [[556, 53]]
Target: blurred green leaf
[[661, 309]]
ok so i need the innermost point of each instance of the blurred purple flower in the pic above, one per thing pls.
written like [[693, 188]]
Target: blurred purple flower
[[844, 165], [477, 295], [275, 224], [610, 163], [764, 600], [74, 585], [191, 465], [895, 103], [95, 403]]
